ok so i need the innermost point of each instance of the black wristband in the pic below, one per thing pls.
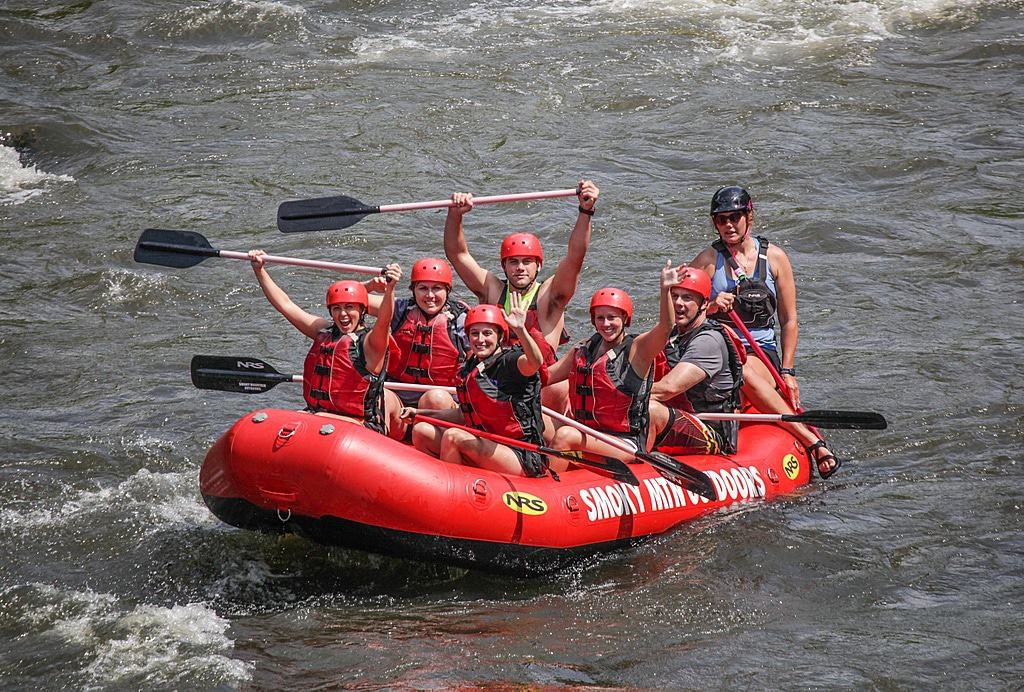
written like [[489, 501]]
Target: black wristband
[[588, 212], [787, 371]]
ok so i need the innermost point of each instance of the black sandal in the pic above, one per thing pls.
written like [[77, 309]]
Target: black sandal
[[820, 444]]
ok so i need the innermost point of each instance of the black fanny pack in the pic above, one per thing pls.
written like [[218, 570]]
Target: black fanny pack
[[755, 303]]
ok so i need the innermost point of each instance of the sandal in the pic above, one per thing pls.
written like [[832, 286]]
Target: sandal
[[820, 444]]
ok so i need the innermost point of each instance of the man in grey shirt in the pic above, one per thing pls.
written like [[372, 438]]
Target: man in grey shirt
[[704, 373]]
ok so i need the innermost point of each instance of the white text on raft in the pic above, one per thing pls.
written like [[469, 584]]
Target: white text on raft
[[612, 501]]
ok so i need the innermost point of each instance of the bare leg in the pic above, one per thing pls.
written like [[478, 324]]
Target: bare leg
[[393, 422], [568, 437], [426, 437], [461, 447], [436, 399], [762, 394]]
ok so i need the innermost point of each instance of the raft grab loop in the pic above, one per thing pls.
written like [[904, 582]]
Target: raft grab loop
[[284, 519]]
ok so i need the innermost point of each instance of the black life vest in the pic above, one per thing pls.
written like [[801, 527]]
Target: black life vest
[[430, 351], [605, 392], [490, 405], [702, 397], [335, 378], [755, 303]]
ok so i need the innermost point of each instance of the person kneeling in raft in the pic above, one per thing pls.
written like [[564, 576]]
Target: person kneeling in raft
[[499, 392], [610, 374], [429, 331], [343, 375], [704, 369]]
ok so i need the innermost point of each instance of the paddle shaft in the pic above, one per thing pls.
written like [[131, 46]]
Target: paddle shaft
[[493, 199]]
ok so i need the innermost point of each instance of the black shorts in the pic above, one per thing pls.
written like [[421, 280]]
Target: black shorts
[[532, 462]]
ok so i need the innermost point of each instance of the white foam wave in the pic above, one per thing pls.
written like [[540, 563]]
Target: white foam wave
[[152, 500], [125, 285], [142, 645], [20, 183], [242, 13]]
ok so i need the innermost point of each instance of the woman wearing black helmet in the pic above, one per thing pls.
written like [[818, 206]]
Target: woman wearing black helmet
[[754, 278]]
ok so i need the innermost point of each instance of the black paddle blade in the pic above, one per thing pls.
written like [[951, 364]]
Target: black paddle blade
[[682, 474], [849, 420], [321, 214], [605, 465], [178, 249], [235, 374]]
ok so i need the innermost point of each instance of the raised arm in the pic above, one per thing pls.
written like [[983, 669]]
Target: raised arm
[[646, 347], [567, 274], [374, 288], [785, 285], [305, 322], [477, 279], [377, 340], [532, 358]]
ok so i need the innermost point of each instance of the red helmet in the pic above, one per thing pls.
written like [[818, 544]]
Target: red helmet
[[612, 298], [522, 245], [347, 291], [696, 280], [486, 314], [431, 269]]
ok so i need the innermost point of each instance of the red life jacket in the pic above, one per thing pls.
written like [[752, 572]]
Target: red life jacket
[[335, 378], [606, 393], [430, 351], [489, 405]]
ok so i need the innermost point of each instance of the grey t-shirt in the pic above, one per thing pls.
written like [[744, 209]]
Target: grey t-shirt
[[707, 350]]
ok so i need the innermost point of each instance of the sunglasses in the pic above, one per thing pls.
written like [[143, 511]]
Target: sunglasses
[[733, 217]]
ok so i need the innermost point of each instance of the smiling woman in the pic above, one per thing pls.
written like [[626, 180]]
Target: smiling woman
[[343, 374]]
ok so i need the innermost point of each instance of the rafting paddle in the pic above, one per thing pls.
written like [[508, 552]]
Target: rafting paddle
[[335, 213], [249, 375], [824, 418], [596, 462], [181, 249], [236, 374]]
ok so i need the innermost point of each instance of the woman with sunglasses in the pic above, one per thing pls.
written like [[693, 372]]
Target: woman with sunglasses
[[755, 279]]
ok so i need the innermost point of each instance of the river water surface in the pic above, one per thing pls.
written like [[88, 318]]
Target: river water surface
[[882, 143]]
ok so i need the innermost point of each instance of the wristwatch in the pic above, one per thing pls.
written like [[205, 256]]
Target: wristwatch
[[787, 371]]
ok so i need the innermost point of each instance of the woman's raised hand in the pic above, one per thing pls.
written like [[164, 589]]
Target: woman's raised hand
[[516, 317], [392, 273]]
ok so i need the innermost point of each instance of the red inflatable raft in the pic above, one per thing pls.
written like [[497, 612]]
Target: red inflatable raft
[[337, 483]]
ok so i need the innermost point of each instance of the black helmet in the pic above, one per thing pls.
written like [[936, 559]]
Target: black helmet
[[731, 198]]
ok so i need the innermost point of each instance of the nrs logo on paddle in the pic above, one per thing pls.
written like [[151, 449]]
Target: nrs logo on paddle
[[524, 503]]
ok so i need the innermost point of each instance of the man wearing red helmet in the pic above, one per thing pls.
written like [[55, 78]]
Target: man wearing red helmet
[[428, 333], [610, 374], [521, 260], [499, 392], [701, 370], [704, 369], [343, 375]]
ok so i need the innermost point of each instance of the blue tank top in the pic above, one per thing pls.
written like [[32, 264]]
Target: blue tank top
[[722, 282]]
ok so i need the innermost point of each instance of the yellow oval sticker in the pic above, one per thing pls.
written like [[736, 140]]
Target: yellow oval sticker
[[791, 465], [524, 503]]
